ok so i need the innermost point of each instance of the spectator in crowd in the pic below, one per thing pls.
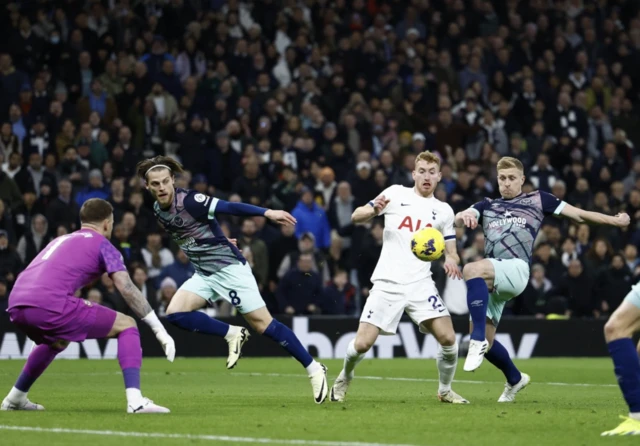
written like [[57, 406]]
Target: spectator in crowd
[[578, 287], [155, 255], [144, 284], [10, 263], [180, 270], [300, 290], [34, 240], [168, 288], [306, 245], [95, 189], [258, 249], [9, 191], [312, 218], [339, 295], [614, 283], [536, 296]]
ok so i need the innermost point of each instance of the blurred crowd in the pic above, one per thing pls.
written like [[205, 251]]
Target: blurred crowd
[[316, 106]]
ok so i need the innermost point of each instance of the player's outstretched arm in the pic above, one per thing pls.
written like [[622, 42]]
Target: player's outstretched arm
[[139, 305], [249, 210], [581, 216], [468, 218], [370, 210]]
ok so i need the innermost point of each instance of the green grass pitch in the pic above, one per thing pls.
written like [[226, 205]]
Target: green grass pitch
[[269, 401]]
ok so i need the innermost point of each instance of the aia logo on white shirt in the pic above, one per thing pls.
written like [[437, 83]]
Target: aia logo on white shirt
[[408, 223]]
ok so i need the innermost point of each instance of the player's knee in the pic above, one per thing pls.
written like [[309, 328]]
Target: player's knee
[[60, 345], [613, 330], [260, 325], [128, 322], [472, 271], [170, 310], [362, 345], [447, 339]]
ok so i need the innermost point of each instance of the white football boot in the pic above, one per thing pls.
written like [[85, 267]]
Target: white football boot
[[475, 355], [509, 394], [235, 347], [340, 387], [23, 405], [319, 385], [146, 406], [452, 398]]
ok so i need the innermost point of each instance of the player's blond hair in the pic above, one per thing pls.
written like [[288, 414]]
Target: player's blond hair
[[429, 157], [509, 162]]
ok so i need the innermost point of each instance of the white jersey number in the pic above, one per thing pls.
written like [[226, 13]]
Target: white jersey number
[[60, 241]]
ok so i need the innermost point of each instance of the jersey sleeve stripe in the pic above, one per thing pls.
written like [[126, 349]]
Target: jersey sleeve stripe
[[371, 203], [560, 208], [449, 237], [212, 207]]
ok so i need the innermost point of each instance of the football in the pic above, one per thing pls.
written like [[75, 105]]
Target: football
[[427, 244]]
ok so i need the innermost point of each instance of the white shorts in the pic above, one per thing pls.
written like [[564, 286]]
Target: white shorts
[[234, 283], [385, 305]]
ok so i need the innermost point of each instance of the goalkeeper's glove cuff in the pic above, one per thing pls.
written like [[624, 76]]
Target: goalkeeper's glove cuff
[[153, 322]]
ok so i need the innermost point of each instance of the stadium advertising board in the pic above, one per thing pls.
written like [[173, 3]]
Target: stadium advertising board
[[328, 337]]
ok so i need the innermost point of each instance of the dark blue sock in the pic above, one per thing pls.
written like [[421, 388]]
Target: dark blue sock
[[499, 357], [289, 341], [198, 321], [627, 368], [477, 301]]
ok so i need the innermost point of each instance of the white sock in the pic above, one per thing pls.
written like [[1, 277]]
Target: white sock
[[134, 397], [351, 360], [313, 367], [634, 415], [16, 396], [233, 330], [446, 360]]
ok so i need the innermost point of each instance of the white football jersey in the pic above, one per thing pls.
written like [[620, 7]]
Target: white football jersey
[[406, 213]]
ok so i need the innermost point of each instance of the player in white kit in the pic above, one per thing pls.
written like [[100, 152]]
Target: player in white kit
[[402, 282]]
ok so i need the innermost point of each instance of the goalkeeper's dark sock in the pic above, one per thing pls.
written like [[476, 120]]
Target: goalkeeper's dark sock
[[477, 301], [627, 368], [196, 321], [499, 357]]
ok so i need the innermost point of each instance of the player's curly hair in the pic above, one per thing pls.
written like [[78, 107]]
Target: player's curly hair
[[143, 167]]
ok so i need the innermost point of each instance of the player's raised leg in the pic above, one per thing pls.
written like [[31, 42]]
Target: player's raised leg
[[479, 277], [37, 362], [261, 320], [618, 332], [182, 312], [447, 360], [357, 348]]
